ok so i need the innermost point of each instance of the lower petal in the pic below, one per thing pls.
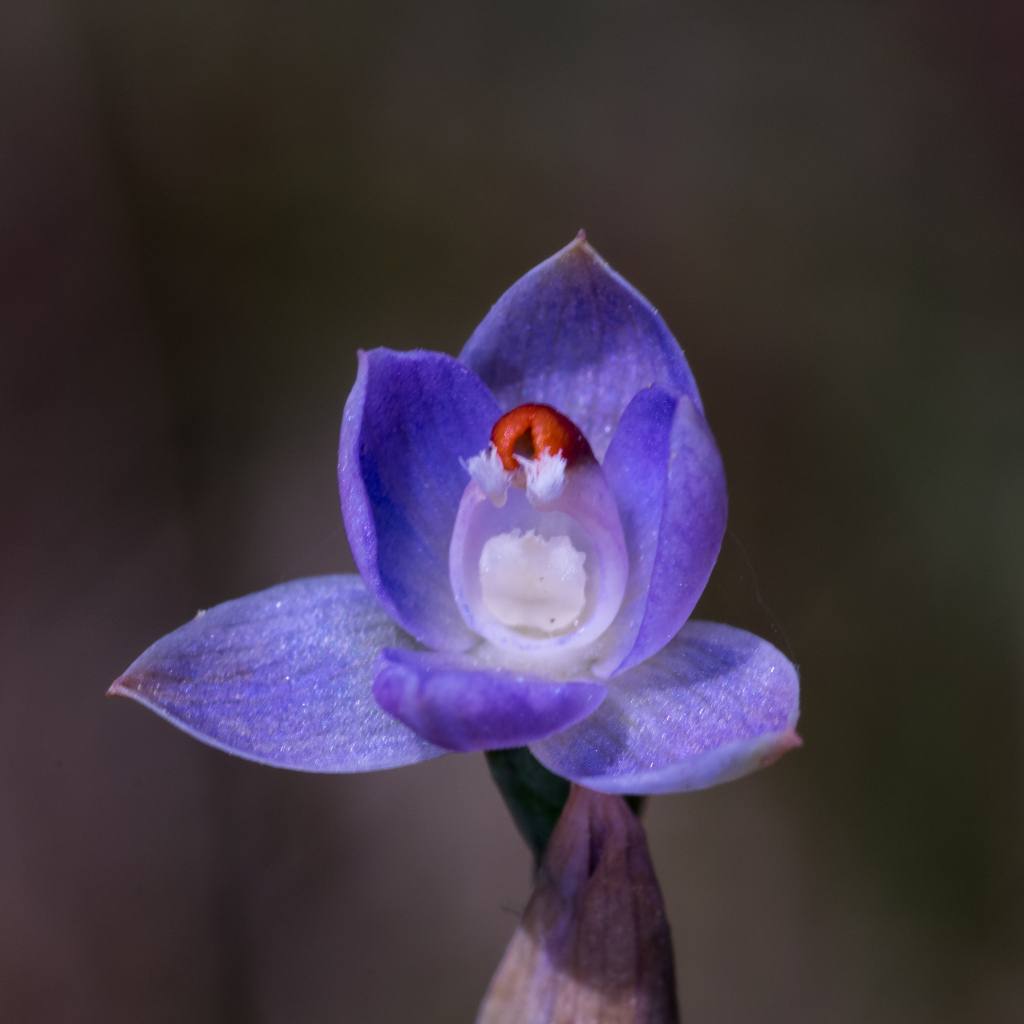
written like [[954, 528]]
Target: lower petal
[[462, 705], [714, 704], [282, 677]]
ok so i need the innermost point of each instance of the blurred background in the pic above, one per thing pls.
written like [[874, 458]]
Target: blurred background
[[206, 207]]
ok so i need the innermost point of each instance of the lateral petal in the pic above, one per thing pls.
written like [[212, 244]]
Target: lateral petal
[[669, 483], [714, 704], [283, 677], [409, 420]]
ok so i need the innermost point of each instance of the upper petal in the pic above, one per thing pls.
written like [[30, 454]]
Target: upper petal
[[714, 704], [669, 482], [463, 704], [409, 420], [575, 335], [282, 677]]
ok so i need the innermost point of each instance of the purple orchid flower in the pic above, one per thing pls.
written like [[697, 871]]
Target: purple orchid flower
[[533, 523]]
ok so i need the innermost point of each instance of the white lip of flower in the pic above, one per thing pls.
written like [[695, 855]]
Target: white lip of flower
[[537, 567]]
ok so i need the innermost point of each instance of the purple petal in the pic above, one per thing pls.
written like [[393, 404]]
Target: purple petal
[[459, 704], [282, 677], [409, 420], [575, 335], [714, 704], [664, 467]]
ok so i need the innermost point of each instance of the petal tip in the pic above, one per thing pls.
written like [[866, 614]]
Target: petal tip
[[119, 687], [787, 741], [582, 250]]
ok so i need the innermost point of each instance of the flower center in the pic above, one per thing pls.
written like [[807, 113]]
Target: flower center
[[537, 561]]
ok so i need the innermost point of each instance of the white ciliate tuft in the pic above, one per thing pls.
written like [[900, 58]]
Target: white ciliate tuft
[[533, 582], [545, 477], [494, 479]]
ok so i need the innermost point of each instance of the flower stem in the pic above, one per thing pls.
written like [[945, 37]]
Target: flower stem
[[534, 796]]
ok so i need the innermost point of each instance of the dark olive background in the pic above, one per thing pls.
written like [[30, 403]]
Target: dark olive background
[[205, 208]]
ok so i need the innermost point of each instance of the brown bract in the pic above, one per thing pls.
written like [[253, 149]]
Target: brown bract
[[594, 945]]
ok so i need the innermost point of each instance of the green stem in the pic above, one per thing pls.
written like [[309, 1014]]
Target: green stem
[[535, 796]]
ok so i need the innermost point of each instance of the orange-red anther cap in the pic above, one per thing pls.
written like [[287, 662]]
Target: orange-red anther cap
[[547, 430]]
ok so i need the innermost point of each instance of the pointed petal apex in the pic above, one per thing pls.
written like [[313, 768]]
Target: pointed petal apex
[[574, 335], [784, 743]]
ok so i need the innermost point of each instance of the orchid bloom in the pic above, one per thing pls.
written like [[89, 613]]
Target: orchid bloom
[[533, 523]]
